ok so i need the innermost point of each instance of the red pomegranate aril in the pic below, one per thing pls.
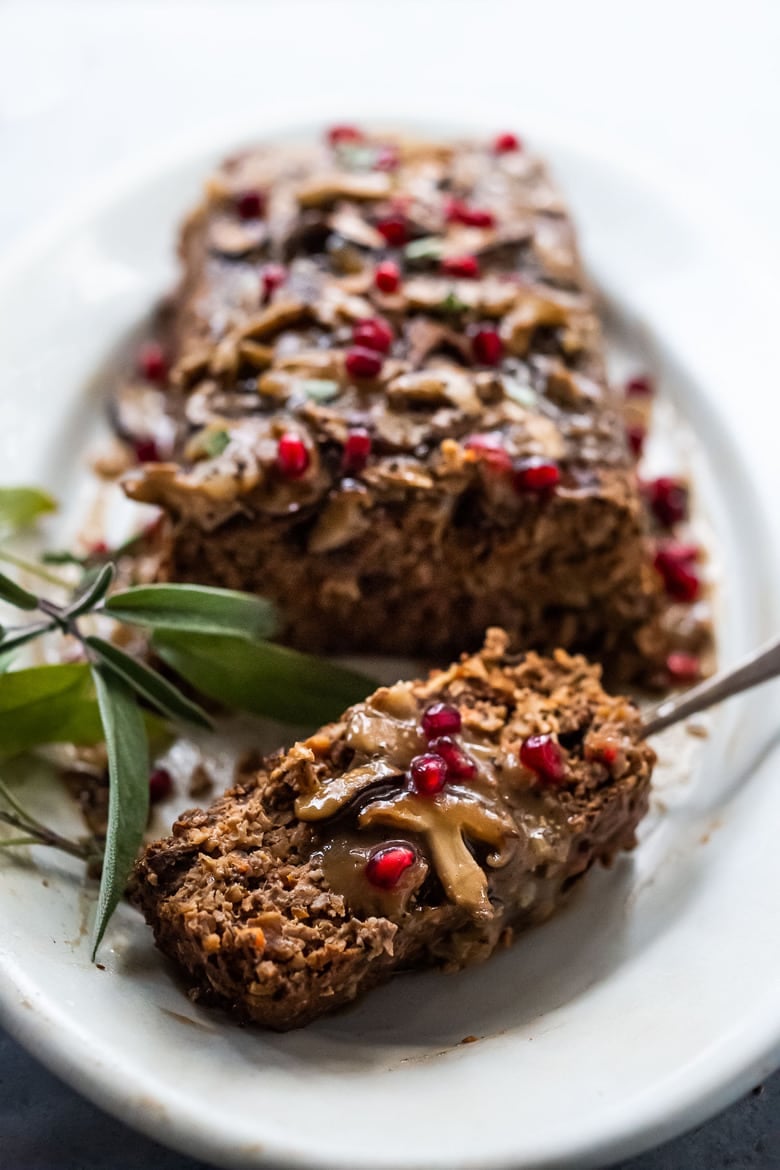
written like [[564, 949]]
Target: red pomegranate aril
[[394, 229], [668, 500], [387, 865], [273, 277], [250, 204], [387, 277], [373, 333], [635, 437], [152, 363], [542, 754], [146, 451], [506, 143], [428, 773], [676, 568], [160, 785], [536, 475], [487, 347], [361, 362], [640, 386], [682, 667], [292, 457], [460, 765], [491, 450], [460, 212], [463, 267], [357, 449], [344, 133], [440, 719]]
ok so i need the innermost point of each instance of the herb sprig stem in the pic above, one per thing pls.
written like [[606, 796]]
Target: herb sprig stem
[[35, 570]]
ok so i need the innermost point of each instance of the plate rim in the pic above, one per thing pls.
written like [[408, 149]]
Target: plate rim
[[34, 1024]]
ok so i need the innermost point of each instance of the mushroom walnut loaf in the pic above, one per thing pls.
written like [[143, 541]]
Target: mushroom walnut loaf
[[424, 828], [391, 409]]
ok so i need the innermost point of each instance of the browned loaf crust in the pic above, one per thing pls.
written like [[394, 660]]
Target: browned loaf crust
[[270, 912], [431, 540]]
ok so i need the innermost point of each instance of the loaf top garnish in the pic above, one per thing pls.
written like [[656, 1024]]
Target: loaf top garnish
[[377, 315], [459, 762]]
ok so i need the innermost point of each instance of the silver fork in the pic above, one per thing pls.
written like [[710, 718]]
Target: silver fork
[[761, 666]]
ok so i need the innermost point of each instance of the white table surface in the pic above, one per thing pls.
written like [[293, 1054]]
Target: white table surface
[[86, 87]]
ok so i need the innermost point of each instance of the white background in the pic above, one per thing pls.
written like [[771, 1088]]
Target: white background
[[694, 85]]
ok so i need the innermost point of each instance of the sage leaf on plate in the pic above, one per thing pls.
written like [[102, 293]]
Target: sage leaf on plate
[[19, 506], [15, 595], [197, 609], [161, 694], [261, 677], [128, 792], [47, 704], [94, 592]]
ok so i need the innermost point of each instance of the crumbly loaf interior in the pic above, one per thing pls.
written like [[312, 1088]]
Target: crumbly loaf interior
[[263, 898], [446, 524]]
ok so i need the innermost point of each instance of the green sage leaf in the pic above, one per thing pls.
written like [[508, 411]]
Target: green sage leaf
[[20, 506], [214, 443], [195, 608], [15, 638], [94, 592], [428, 248], [47, 704], [319, 389], [453, 304], [128, 792], [161, 694], [261, 677], [15, 595]]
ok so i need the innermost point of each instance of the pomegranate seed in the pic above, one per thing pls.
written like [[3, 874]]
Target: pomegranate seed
[[674, 563], [683, 668], [640, 386], [292, 457], [428, 774], [362, 363], [394, 229], [345, 133], [536, 475], [506, 143], [152, 363], [460, 765], [160, 785], [356, 450], [273, 277], [487, 347], [466, 267], [373, 333], [146, 450], [387, 276], [635, 436], [668, 500], [681, 550], [460, 212], [250, 204], [387, 865], [542, 755], [386, 159], [491, 450], [440, 719]]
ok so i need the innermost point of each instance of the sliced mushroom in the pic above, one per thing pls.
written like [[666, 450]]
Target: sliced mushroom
[[324, 189]]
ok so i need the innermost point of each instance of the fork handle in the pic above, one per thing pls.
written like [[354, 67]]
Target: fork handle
[[762, 665]]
